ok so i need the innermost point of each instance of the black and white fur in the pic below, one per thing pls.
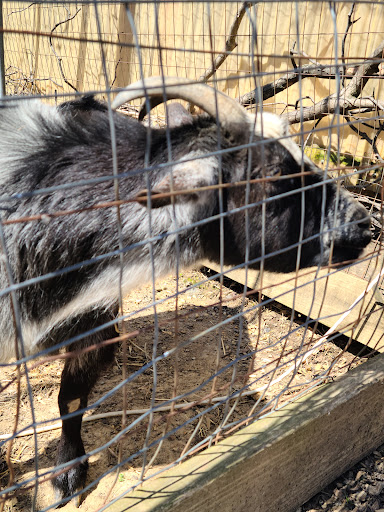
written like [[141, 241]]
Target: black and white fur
[[43, 146]]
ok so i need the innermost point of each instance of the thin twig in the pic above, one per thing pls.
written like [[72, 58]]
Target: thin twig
[[371, 141], [322, 67], [349, 25], [24, 9], [132, 412], [59, 59], [230, 44], [311, 133]]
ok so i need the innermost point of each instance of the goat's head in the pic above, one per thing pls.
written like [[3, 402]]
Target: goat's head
[[281, 207]]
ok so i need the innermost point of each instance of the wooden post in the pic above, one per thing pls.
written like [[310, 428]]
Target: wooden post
[[327, 299], [280, 461]]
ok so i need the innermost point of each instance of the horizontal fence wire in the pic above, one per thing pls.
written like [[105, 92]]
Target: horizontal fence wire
[[167, 279]]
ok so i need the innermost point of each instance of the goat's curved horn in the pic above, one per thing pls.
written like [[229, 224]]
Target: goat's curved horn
[[229, 111]]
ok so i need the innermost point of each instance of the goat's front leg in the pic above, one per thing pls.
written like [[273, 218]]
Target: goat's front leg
[[78, 377]]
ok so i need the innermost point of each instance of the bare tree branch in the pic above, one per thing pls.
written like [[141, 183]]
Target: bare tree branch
[[290, 78], [315, 69], [348, 98], [326, 69], [230, 44], [364, 72]]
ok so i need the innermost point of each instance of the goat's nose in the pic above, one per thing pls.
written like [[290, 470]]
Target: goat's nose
[[363, 221], [360, 216]]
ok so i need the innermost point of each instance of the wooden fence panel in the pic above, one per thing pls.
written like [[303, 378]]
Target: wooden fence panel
[[190, 34]]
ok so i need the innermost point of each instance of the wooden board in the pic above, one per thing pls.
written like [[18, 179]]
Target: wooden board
[[326, 299], [280, 461]]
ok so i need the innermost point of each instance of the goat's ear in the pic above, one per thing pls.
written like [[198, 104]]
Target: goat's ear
[[186, 183]]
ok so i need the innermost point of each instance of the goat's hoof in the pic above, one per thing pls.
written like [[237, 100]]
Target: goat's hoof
[[70, 483], [76, 501]]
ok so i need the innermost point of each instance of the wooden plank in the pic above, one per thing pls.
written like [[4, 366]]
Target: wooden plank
[[327, 299], [280, 461]]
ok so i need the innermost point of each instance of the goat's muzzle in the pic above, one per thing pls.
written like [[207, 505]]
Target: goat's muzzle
[[353, 233]]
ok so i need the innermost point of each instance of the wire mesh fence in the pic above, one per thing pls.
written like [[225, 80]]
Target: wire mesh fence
[[103, 215]]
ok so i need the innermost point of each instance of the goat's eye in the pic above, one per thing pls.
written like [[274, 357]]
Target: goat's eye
[[272, 172], [266, 172]]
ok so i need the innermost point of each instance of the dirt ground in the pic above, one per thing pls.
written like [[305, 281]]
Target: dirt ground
[[203, 366]]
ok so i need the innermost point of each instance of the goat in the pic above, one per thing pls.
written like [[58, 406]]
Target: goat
[[48, 158]]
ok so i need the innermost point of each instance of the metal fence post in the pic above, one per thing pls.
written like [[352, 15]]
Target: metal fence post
[[2, 69]]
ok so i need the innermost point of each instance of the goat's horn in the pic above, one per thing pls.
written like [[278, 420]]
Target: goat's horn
[[167, 88]]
